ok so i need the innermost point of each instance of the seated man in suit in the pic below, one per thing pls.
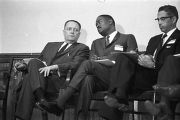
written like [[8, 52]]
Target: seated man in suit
[[168, 85], [134, 74], [47, 73], [102, 54]]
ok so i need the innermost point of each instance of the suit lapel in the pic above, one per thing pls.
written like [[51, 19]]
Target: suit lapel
[[115, 39], [56, 48], [102, 42], [173, 36], [54, 51]]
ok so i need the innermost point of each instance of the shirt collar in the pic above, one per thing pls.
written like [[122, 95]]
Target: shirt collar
[[168, 35], [111, 36], [68, 43], [170, 32], [64, 43]]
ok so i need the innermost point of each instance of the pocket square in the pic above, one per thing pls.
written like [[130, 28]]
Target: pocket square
[[172, 41]]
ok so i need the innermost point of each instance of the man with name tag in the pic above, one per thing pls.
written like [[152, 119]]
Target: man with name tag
[[93, 74], [46, 75], [134, 76]]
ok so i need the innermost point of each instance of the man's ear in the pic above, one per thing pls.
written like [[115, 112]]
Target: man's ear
[[174, 18], [79, 32], [63, 31]]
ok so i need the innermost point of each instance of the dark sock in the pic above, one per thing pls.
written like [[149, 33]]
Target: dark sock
[[62, 98], [39, 94]]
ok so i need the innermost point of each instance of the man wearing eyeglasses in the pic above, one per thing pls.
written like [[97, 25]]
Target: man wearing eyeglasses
[[134, 76], [45, 75]]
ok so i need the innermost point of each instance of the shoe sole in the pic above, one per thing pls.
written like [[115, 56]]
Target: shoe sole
[[43, 108]]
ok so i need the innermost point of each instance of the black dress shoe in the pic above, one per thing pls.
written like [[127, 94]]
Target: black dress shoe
[[115, 103], [50, 107]]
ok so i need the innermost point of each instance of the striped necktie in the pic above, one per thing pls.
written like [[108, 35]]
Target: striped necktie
[[162, 39], [159, 46]]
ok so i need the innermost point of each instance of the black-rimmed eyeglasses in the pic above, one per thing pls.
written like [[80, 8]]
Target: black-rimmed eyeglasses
[[163, 18]]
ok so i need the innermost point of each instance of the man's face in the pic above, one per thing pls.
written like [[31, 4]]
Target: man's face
[[71, 31], [103, 25], [165, 21]]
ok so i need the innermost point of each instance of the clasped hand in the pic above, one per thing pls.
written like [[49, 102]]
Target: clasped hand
[[146, 61]]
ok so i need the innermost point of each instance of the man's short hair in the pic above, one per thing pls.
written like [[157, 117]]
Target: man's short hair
[[73, 21], [171, 10], [108, 17]]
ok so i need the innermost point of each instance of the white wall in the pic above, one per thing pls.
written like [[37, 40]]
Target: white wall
[[27, 25]]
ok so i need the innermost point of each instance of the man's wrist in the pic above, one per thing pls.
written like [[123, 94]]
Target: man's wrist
[[54, 67]]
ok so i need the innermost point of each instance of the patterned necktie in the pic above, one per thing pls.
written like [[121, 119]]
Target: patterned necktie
[[107, 40], [63, 48], [159, 46], [162, 39]]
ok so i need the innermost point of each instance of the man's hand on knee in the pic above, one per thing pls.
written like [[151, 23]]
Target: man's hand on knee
[[46, 70]]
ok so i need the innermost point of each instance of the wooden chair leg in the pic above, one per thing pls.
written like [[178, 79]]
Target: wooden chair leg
[[154, 101], [133, 110]]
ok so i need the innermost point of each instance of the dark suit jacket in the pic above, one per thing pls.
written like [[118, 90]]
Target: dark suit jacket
[[70, 59], [172, 46], [100, 49], [146, 77]]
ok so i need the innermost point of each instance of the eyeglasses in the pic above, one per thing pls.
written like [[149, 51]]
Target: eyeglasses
[[163, 18], [72, 29]]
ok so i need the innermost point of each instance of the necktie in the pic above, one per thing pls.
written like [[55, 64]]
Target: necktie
[[63, 48], [160, 45], [162, 39], [107, 40]]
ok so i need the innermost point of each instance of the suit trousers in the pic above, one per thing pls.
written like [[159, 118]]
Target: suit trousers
[[169, 74], [32, 80], [129, 77], [90, 77]]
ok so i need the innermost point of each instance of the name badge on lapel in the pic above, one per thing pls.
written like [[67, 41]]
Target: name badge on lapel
[[172, 41], [118, 47]]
